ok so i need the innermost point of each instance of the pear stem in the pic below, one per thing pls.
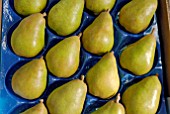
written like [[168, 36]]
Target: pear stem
[[108, 10], [82, 77], [41, 57], [41, 100], [157, 74], [44, 14], [80, 34], [112, 52], [153, 31], [117, 98]]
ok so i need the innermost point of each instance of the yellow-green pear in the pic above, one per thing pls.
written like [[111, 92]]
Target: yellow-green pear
[[63, 58], [138, 57], [103, 78], [28, 39], [28, 7], [98, 38], [111, 107], [143, 97], [30, 80], [97, 6], [65, 17], [68, 98], [37, 109], [136, 15]]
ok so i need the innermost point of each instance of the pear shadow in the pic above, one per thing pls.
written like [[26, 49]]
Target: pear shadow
[[22, 107], [9, 35], [8, 82]]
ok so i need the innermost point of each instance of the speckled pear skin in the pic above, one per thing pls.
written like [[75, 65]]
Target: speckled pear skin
[[28, 39], [111, 107], [30, 80], [139, 56], [98, 38], [28, 7], [37, 109], [63, 58], [65, 17], [68, 98], [104, 73], [143, 97], [136, 15], [97, 6]]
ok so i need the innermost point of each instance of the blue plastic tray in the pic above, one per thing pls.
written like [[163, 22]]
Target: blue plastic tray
[[10, 103]]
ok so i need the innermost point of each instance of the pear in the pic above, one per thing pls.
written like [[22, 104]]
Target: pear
[[37, 109], [136, 15], [143, 97], [28, 38], [63, 58], [139, 56], [97, 6], [98, 38], [30, 80], [68, 98], [111, 107], [104, 73], [28, 7], [65, 17]]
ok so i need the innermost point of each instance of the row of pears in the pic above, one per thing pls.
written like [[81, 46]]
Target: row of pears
[[65, 16], [140, 98]]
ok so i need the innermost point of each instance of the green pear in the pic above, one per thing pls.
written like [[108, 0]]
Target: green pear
[[28, 38], [68, 98], [111, 107], [63, 58], [27, 7], [143, 97], [139, 56], [103, 78], [30, 80], [98, 38], [37, 109], [65, 17], [97, 6], [136, 15]]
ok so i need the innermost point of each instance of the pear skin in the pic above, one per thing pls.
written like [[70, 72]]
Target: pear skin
[[65, 17], [28, 39], [136, 15], [104, 73], [98, 38], [97, 6], [139, 56], [63, 58], [28, 7], [111, 107], [68, 98], [37, 109], [143, 97], [30, 80]]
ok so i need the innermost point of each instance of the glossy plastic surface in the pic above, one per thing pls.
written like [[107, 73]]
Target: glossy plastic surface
[[10, 103]]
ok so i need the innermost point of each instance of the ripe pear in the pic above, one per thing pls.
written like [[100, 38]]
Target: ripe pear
[[97, 6], [30, 80], [27, 7], [98, 38], [104, 73], [68, 98], [28, 38], [139, 56], [37, 109], [65, 17], [63, 58], [143, 97], [111, 107], [136, 15]]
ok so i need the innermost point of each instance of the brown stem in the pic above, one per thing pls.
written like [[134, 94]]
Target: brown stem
[[80, 34], [44, 14], [117, 98], [41, 100], [82, 77]]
